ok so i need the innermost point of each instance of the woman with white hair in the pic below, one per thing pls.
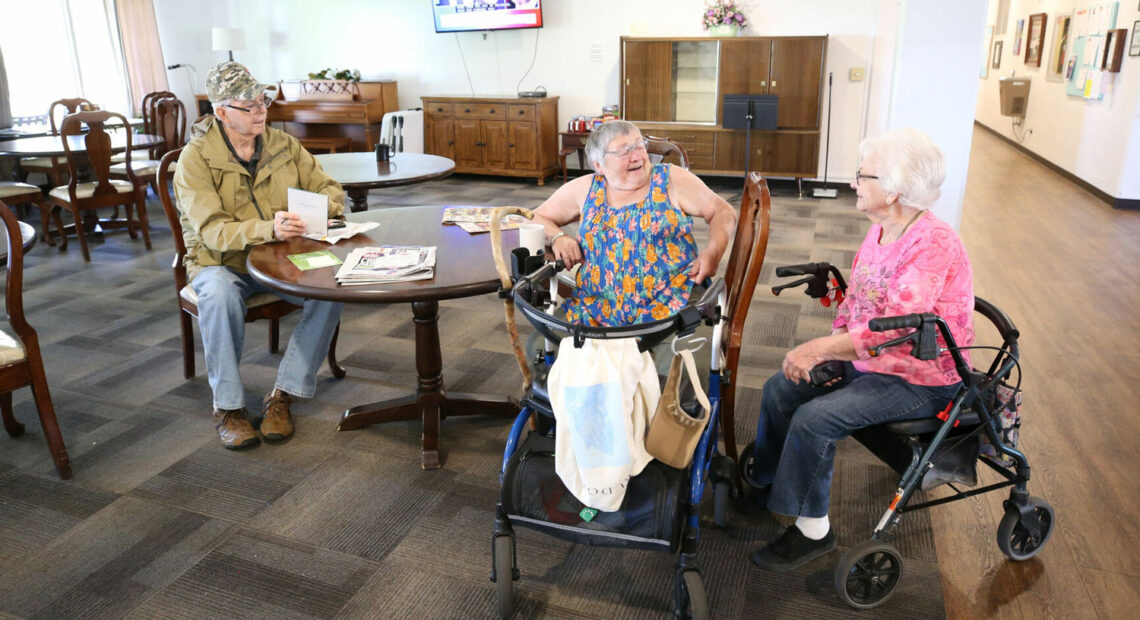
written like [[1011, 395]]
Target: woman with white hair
[[639, 258], [909, 262]]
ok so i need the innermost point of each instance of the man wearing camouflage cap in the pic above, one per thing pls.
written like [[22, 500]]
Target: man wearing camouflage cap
[[231, 185]]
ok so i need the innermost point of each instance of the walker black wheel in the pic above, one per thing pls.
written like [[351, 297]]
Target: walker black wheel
[[693, 593], [722, 495], [747, 460], [505, 575], [1021, 539], [867, 574]]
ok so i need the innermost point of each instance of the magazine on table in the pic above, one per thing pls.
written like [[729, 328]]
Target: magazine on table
[[389, 263], [478, 219]]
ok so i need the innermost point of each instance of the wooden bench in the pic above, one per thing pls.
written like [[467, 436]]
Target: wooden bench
[[326, 145]]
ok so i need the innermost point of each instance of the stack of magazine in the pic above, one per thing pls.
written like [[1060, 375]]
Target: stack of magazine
[[478, 219], [388, 263]]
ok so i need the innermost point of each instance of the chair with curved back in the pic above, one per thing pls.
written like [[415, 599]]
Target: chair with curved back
[[146, 111], [168, 121], [259, 306], [15, 193], [104, 191], [668, 150], [54, 167], [20, 361], [744, 264]]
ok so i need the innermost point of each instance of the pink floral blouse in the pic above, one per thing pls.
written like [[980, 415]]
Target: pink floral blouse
[[927, 270]]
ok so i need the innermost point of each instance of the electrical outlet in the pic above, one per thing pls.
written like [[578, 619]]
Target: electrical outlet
[[856, 74]]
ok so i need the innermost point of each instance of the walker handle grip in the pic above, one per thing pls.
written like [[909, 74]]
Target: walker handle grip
[[883, 324]]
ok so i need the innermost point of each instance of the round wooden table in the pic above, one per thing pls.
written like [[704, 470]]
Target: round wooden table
[[360, 172], [52, 146], [464, 268]]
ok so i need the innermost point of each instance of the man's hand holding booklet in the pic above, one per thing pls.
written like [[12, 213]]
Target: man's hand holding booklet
[[313, 209]]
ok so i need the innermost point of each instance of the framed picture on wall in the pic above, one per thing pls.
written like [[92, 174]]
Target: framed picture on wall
[[1017, 37], [996, 64], [1059, 51], [1135, 49], [1035, 41], [1113, 50], [988, 44]]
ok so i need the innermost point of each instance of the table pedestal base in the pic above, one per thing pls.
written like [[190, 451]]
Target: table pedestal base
[[429, 404], [359, 199]]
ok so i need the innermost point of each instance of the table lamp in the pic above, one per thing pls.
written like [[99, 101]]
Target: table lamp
[[228, 40]]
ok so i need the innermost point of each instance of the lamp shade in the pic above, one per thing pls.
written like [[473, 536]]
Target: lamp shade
[[228, 39]]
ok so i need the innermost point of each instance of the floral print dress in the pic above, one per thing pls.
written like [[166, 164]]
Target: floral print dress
[[636, 257]]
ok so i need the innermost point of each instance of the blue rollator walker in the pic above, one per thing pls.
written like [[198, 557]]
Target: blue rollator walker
[[979, 424], [662, 504]]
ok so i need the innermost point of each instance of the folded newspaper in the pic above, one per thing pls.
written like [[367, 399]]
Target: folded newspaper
[[348, 230], [478, 219], [388, 263]]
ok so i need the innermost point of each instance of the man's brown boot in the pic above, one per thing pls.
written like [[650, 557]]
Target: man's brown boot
[[276, 422], [234, 430]]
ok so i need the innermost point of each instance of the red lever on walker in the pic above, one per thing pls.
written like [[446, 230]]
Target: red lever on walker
[[945, 414]]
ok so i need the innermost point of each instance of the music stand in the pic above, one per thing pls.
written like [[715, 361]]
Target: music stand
[[751, 113]]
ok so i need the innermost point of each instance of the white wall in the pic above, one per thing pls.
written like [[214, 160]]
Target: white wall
[[1097, 141], [578, 52]]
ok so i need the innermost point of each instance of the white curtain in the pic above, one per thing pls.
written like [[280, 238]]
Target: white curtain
[[5, 107]]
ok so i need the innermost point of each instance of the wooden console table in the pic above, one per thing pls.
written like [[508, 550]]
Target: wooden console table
[[334, 118]]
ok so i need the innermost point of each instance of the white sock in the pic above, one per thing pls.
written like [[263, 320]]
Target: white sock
[[814, 528]]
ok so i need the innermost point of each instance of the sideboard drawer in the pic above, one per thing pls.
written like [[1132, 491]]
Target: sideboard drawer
[[491, 111]]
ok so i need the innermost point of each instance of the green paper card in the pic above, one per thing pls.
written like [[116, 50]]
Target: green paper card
[[314, 260]]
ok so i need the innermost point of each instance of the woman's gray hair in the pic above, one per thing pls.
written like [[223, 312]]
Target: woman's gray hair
[[601, 137], [910, 165]]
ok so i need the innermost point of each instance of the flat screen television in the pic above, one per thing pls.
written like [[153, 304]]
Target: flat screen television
[[463, 15]]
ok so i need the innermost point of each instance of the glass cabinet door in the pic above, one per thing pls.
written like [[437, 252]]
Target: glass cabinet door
[[694, 81]]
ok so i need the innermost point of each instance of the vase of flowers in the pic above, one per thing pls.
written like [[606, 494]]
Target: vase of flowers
[[723, 18]]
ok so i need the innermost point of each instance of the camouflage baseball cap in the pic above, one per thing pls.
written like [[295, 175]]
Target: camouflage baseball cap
[[231, 80]]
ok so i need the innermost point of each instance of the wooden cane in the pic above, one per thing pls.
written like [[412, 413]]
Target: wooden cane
[[505, 279]]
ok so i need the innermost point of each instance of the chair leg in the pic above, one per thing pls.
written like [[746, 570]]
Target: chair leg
[[79, 233], [45, 220], [187, 345], [11, 424], [728, 421], [49, 423], [336, 369], [55, 215], [274, 335], [144, 222], [132, 225]]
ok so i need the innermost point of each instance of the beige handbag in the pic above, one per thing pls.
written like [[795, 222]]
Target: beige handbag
[[673, 433]]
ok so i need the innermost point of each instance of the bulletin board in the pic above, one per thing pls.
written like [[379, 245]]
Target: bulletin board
[[1089, 29]]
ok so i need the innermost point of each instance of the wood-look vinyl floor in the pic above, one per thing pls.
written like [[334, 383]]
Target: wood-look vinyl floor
[[1062, 264]]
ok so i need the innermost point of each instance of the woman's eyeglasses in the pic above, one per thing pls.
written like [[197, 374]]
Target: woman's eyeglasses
[[260, 105], [859, 176], [625, 151]]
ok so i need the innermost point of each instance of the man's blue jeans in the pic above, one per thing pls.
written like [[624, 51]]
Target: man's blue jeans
[[800, 424], [222, 293]]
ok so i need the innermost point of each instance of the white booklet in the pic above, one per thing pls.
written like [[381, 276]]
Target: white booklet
[[313, 209]]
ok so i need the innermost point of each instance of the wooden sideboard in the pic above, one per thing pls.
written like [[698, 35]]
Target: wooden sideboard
[[358, 120], [505, 136]]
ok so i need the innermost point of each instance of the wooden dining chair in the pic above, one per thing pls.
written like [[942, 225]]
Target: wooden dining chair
[[668, 150], [104, 191], [146, 111], [260, 306], [20, 361], [168, 121], [25, 193], [54, 167], [744, 264]]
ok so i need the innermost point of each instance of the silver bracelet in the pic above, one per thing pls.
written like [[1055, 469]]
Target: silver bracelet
[[556, 237]]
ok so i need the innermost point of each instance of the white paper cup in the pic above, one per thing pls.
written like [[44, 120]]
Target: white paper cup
[[532, 237]]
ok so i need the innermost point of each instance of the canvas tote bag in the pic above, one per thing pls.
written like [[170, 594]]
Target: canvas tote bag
[[673, 433], [603, 396]]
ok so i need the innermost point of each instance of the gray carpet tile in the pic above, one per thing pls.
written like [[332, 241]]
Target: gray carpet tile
[[161, 522]]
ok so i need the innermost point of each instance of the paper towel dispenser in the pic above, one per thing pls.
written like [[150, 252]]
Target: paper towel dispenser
[[1014, 96]]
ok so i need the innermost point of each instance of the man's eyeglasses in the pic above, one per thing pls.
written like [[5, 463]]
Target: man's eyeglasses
[[625, 151], [258, 106], [859, 176]]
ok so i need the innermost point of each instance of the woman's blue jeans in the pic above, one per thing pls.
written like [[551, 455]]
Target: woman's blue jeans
[[800, 424], [222, 293]]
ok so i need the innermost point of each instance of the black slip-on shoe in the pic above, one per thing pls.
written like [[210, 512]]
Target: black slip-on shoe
[[792, 550]]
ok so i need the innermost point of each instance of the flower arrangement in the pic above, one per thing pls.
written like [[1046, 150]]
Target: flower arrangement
[[333, 74], [723, 13]]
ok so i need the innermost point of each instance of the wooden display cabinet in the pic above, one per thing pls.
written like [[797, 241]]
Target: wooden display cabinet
[[494, 135], [358, 120], [657, 74]]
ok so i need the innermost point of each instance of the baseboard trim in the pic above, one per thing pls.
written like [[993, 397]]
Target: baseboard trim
[[1112, 201]]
